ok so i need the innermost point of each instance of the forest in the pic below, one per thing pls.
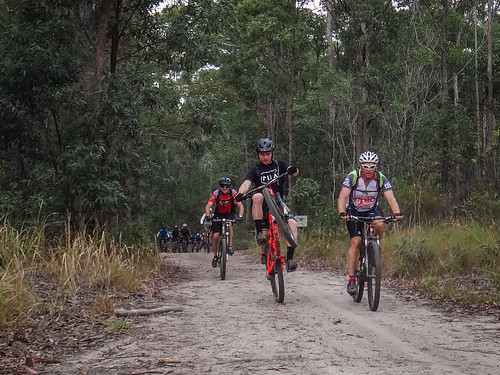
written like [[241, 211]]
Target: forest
[[125, 113]]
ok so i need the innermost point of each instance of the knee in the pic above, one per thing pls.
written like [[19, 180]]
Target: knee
[[355, 241], [258, 199]]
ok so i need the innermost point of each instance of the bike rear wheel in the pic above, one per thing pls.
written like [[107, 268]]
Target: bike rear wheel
[[222, 258], [279, 216], [360, 280], [374, 275]]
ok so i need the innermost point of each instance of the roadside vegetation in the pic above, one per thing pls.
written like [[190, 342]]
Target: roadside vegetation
[[39, 275], [112, 112], [451, 261]]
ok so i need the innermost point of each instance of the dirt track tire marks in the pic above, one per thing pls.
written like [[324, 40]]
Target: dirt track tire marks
[[235, 327]]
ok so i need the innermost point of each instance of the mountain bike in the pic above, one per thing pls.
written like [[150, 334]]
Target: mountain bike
[[222, 254], [278, 215], [206, 238], [369, 268], [207, 241], [176, 244]]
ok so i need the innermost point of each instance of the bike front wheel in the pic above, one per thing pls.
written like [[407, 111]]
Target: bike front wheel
[[278, 270], [276, 279], [360, 279], [279, 216], [374, 275], [222, 258]]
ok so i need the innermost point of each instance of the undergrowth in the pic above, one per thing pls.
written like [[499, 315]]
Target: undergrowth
[[37, 274], [452, 261]]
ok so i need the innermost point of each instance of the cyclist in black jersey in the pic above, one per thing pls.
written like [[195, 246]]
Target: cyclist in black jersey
[[266, 170]]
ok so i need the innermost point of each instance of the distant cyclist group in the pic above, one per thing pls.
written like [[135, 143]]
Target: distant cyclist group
[[358, 199], [178, 239]]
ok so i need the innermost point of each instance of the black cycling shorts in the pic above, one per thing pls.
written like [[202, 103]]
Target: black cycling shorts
[[217, 225], [355, 228]]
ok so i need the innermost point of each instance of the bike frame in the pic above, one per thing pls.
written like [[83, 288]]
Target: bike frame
[[273, 245], [275, 260], [222, 250], [369, 264]]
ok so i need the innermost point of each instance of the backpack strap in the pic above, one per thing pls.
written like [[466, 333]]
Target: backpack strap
[[231, 197], [231, 191], [355, 175], [379, 176], [380, 180]]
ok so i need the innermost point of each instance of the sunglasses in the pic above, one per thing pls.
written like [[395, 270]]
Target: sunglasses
[[369, 167]]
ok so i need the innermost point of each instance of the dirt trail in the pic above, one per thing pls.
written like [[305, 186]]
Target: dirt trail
[[235, 327]]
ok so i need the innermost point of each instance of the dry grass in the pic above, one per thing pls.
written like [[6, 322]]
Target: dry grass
[[456, 262], [32, 268]]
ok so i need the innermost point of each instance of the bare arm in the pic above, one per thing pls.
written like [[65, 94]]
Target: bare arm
[[342, 199], [245, 186], [240, 209], [391, 199], [207, 208]]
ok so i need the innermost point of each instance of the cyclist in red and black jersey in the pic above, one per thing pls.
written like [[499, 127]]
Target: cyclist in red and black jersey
[[266, 170], [225, 207]]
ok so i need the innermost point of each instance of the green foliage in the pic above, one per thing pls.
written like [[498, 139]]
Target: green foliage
[[191, 89], [10, 196], [482, 205], [415, 256], [305, 194], [118, 325], [307, 200]]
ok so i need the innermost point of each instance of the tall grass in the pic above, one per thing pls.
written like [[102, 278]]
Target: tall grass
[[451, 260], [36, 273]]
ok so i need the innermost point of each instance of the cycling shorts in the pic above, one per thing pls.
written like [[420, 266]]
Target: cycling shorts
[[355, 228], [217, 225]]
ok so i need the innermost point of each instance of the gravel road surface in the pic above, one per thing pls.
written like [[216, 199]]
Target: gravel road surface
[[235, 327]]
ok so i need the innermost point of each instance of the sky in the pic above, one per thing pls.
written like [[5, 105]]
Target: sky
[[313, 4]]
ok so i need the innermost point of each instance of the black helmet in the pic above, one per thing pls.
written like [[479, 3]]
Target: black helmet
[[225, 182], [264, 145]]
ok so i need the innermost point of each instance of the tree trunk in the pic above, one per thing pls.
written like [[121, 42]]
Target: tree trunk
[[271, 120], [101, 41], [331, 106], [115, 36], [444, 87], [455, 76], [480, 139], [490, 116], [362, 120]]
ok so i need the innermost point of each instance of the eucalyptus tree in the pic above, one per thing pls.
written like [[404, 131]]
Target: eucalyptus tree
[[76, 79], [266, 55]]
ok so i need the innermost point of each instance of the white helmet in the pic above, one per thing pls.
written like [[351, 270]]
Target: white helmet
[[368, 157]]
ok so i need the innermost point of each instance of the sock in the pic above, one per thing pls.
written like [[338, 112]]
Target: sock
[[289, 253], [258, 226], [352, 279]]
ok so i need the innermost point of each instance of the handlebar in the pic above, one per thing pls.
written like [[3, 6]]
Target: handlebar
[[370, 219], [258, 188], [235, 220]]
